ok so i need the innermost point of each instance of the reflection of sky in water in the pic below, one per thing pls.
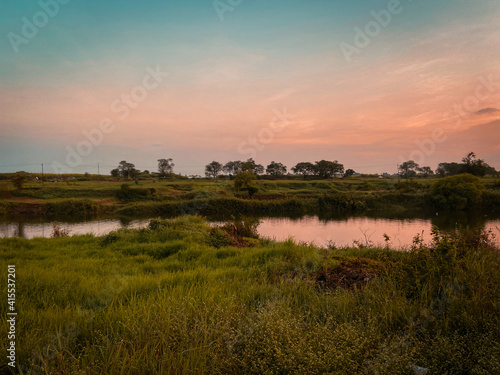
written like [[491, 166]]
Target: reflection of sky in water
[[307, 229], [97, 228]]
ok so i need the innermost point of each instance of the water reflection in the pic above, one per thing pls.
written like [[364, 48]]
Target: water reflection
[[366, 231], [343, 230]]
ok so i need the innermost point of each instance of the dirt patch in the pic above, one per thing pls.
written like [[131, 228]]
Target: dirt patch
[[351, 274]]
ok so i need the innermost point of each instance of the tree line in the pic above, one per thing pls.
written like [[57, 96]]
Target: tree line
[[322, 169], [470, 164]]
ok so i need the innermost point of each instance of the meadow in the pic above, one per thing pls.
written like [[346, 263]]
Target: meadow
[[183, 297], [97, 195]]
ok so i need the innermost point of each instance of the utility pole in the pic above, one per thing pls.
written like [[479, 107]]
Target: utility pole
[[98, 173], [42, 173]]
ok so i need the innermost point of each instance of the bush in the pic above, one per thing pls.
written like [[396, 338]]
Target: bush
[[457, 192], [126, 193], [18, 181]]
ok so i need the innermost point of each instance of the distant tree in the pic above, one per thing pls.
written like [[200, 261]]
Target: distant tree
[[426, 171], [165, 167], [448, 169], [328, 169], [233, 167], [250, 165], [304, 168], [134, 173], [349, 173], [276, 169], [145, 171], [490, 171], [408, 169], [474, 166], [19, 180], [213, 169], [126, 170], [115, 173]]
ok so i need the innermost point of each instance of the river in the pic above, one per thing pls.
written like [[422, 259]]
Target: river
[[341, 231]]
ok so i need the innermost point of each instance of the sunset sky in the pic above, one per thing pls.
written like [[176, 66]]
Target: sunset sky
[[283, 80]]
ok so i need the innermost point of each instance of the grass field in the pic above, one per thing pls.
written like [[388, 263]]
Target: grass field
[[183, 298], [154, 197]]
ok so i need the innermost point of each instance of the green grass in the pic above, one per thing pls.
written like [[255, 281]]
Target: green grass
[[163, 300], [167, 197]]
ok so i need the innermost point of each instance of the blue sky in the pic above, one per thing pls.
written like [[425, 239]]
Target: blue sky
[[228, 77]]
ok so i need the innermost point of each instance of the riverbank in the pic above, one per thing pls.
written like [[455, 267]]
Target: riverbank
[[183, 297], [170, 198]]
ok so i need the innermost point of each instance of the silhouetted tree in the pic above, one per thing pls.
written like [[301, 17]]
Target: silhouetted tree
[[408, 169], [165, 167], [304, 168], [328, 169], [233, 167], [448, 169], [276, 169], [250, 165], [426, 171], [473, 165], [127, 170], [213, 169], [349, 173]]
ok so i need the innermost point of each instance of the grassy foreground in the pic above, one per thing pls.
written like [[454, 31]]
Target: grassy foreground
[[183, 298]]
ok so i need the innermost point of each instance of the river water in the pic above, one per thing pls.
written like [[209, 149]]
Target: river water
[[311, 229]]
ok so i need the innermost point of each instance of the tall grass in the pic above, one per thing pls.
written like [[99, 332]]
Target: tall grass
[[163, 300]]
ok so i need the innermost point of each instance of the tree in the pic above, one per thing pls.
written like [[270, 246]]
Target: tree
[[213, 169], [127, 169], [328, 169], [250, 165], [408, 169], [448, 169], [165, 167], [115, 173], [19, 180], [349, 173], [233, 167], [426, 171], [473, 165], [276, 169], [490, 171], [134, 173], [304, 168], [244, 179]]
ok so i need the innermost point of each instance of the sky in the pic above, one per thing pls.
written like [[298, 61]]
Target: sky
[[368, 83]]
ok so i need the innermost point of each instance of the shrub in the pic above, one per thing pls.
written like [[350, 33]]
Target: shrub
[[219, 238], [126, 193], [457, 192], [252, 190], [19, 181]]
